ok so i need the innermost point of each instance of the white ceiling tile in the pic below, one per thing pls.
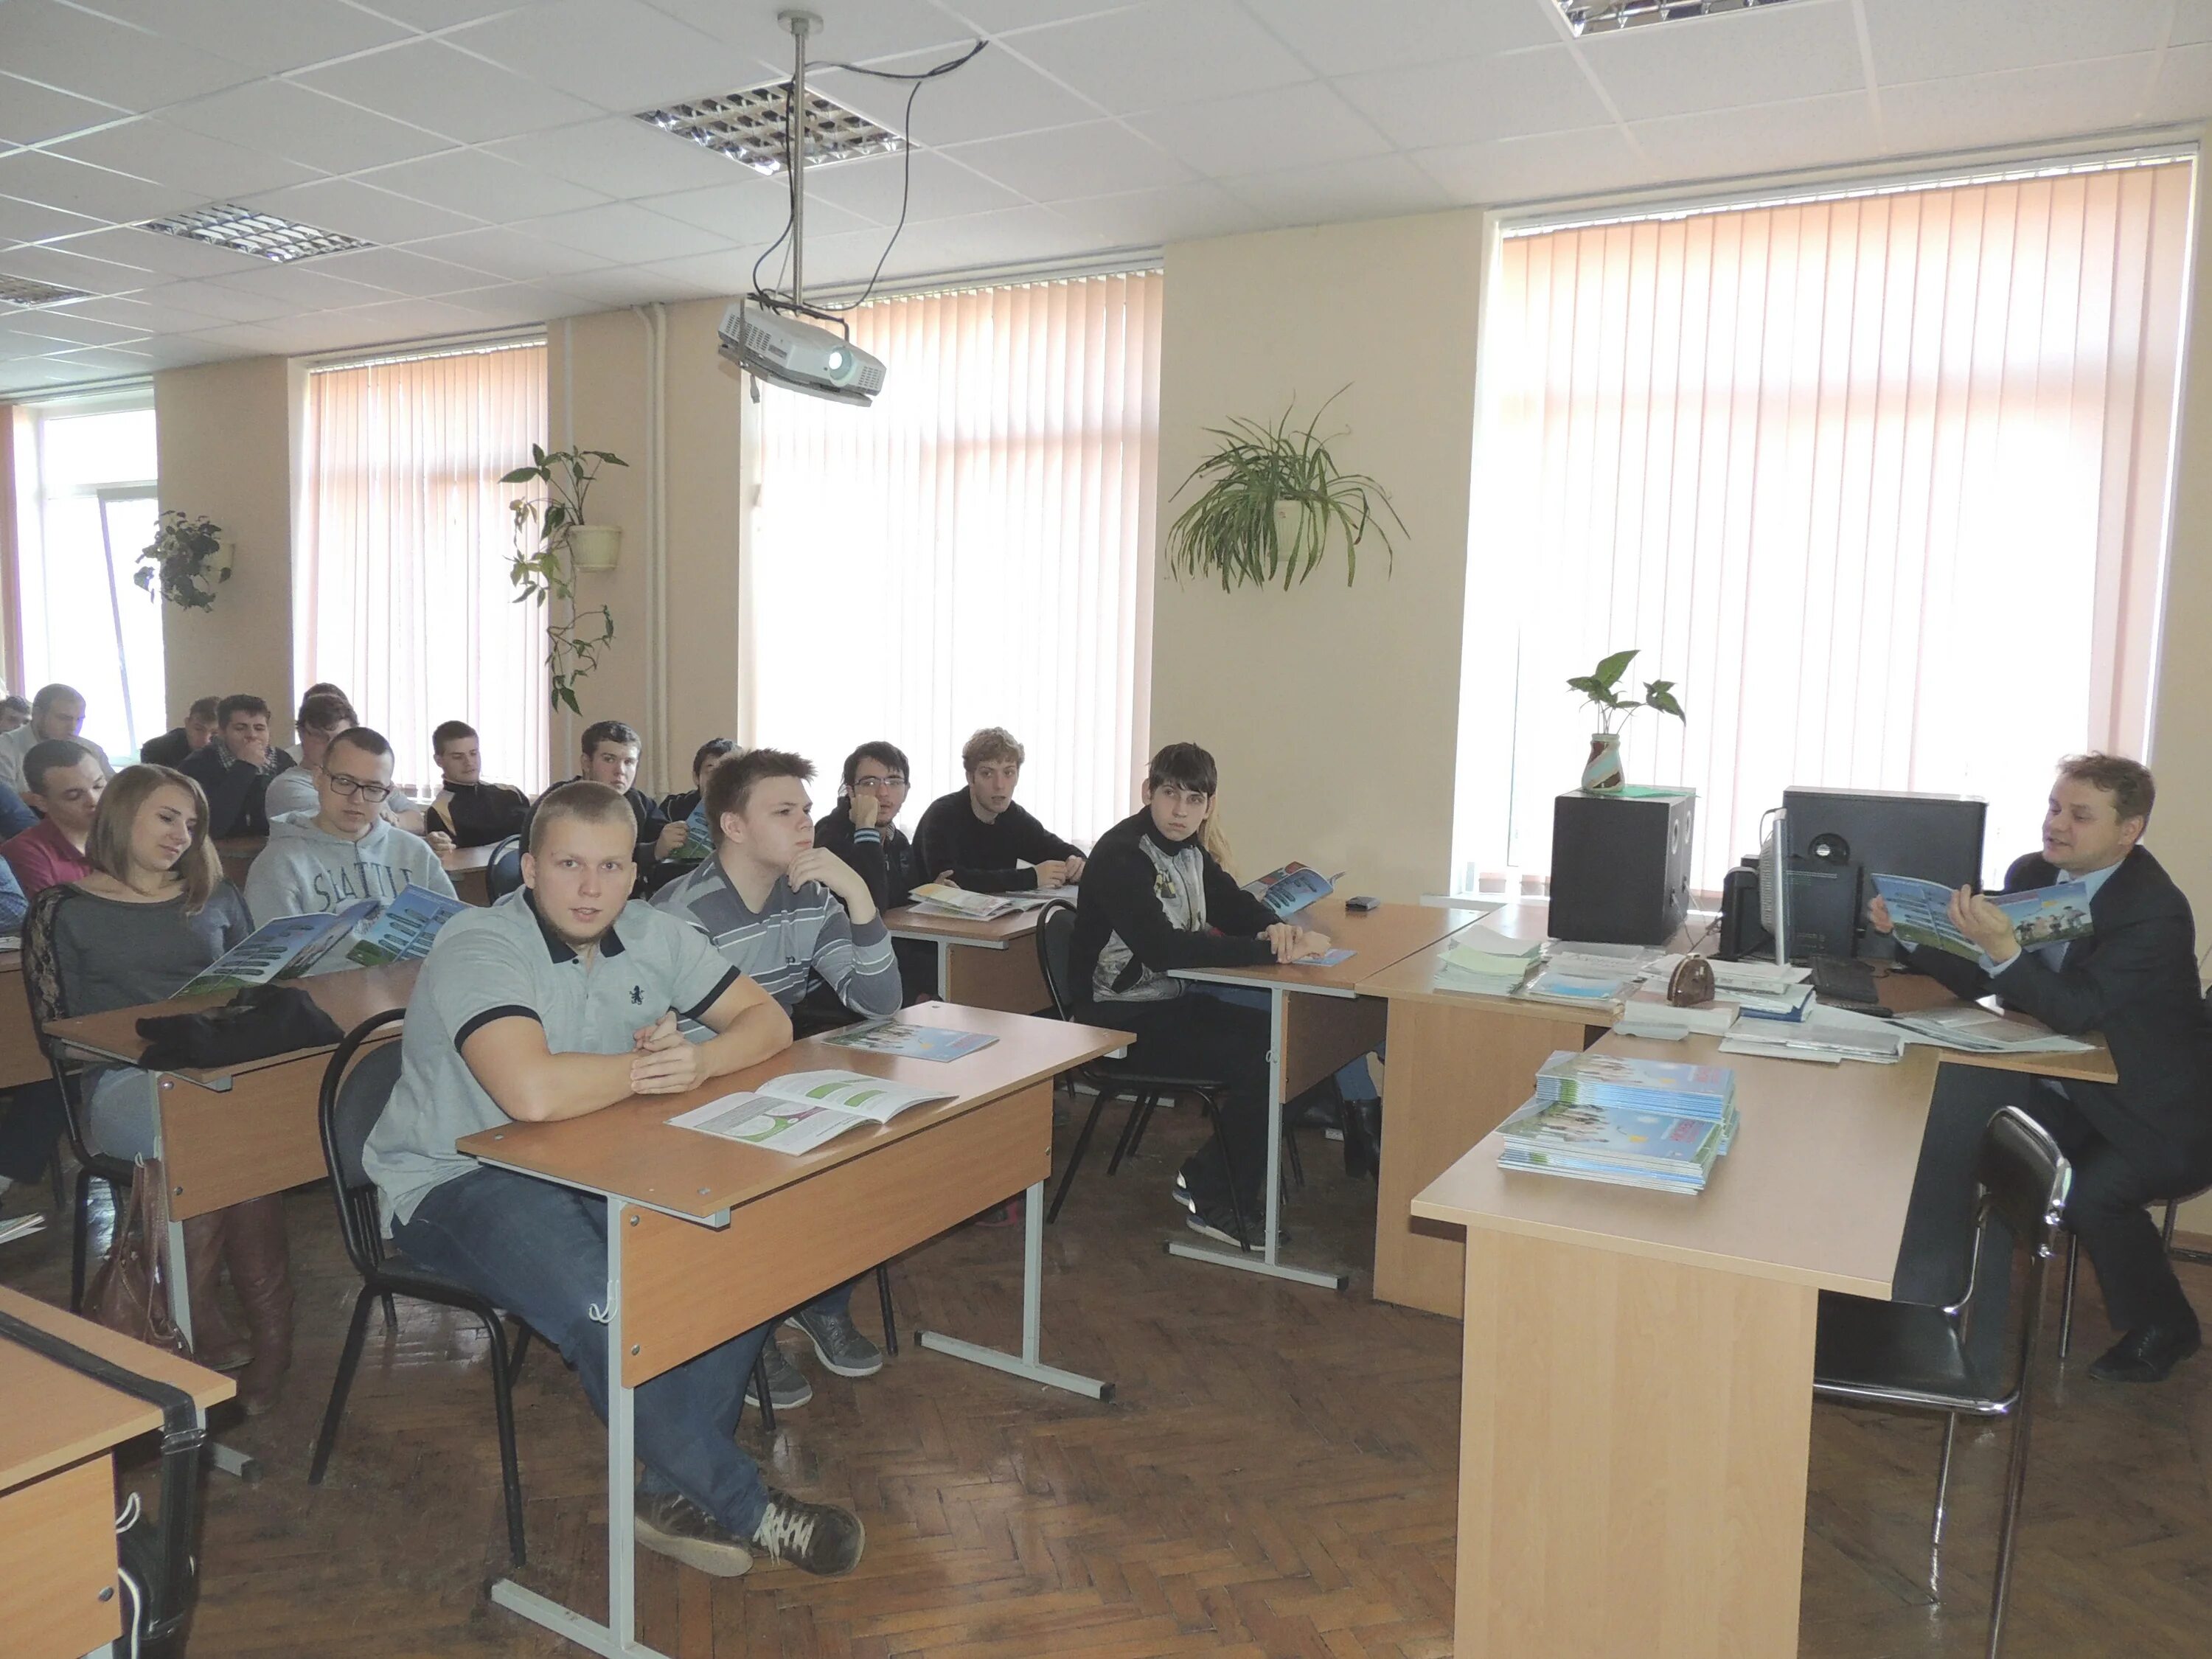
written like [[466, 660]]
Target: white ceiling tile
[[404, 319], [441, 13], [183, 350], [729, 273], [1508, 96], [1373, 187], [301, 287], [301, 125], [234, 305], [1281, 127], [428, 84], [70, 326], [37, 175], [979, 241], [33, 221], [212, 169], [618, 157], [512, 303], [621, 55], [31, 113], [257, 339], [1921, 40], [997, 17], [1805, 132], [404, 272], [145, 312], [747, 207], [361, 211], [1148, 218], [53, 264], [995, 94], [871, 191], [96, 57], [831, 261], [168, 255], [484, 186], [1544, 165], [1174, 52], [509, 253], [273, 35], [1803, 50], [631, 285], [2183, 91], [624, 233], [2054, 101], [106, 361], [1097, 158], [35, 374], [854, 31], [1337, 39], [2192, 22]]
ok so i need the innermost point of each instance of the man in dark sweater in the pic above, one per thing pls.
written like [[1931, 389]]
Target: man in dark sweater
[[180, 743], [2133, 979], [473, 812], [976, 837], [233, 771], [862, 831], [611, 752], [1155, 899]]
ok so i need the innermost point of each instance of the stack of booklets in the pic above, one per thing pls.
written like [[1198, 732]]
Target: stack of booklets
[[1582, 984], [1660, 1125], [942, 898], [1483, 960]]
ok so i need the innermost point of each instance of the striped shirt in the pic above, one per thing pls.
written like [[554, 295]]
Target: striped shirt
[[793, 938]]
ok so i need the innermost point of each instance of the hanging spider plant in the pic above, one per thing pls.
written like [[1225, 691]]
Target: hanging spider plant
[[1275, 500]]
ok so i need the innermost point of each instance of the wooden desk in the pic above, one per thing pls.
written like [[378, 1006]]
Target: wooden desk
[[707, 1239], [463, 866], [238, 853], [980, 964], [21, 1062], [1319, 1022], [58, 1595]]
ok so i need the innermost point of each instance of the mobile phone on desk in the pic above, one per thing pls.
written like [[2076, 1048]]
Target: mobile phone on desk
[[1360, 903]]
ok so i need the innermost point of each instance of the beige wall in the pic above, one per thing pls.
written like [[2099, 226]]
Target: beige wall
[[225, 432]]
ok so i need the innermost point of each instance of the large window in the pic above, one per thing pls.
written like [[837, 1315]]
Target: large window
[[973, 550], [1881, 481], [85, 487], [400, 588]]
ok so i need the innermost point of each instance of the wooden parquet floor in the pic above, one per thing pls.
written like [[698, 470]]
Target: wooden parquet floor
[[1276, 1475]]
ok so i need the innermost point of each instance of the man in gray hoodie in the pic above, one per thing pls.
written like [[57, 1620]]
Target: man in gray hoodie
[[345, 850]]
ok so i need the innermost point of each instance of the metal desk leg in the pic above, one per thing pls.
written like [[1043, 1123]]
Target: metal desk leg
[[617, 1637], [228, 1459], [1028, 1366]]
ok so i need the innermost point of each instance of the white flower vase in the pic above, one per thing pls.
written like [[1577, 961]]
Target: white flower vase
[[1601, 772], [596, 546]]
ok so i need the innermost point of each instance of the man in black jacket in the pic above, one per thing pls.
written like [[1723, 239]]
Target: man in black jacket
[[2149, 1136], [180, 743], [233, 771], [611, 752], [978, 837], [473, 812]]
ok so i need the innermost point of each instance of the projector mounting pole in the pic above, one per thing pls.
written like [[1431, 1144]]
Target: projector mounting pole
[[801, 24]]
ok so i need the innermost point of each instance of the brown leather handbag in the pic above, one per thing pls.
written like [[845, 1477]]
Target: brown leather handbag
[[131, 1292]]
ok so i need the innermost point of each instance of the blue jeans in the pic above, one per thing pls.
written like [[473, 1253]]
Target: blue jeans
[[540, 1251]]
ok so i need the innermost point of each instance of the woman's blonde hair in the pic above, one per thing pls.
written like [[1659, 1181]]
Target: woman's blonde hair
[[108, 847]]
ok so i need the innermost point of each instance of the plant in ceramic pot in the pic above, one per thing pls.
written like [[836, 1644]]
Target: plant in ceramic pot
[[552, 544], [186, 562], [1600, 689]]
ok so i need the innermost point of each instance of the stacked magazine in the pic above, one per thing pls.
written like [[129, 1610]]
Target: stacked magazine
[[1660, 1125]]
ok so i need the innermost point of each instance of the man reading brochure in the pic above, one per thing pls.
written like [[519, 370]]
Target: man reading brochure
[[2133, 979]]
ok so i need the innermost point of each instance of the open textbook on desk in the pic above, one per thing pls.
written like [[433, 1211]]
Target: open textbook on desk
[[800, 1110]]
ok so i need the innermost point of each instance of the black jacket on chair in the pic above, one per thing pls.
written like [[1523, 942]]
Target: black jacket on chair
[[2135, 981]]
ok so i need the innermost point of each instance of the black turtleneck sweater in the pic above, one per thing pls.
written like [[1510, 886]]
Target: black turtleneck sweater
[[982, 857], [1149, 905]]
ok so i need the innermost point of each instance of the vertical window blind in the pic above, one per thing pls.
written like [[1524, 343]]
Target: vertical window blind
[[400, 586], [1881, 482], [973, 550]]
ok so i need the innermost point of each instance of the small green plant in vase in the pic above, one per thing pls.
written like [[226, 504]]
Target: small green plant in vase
[[550, 536], [184, 563], [1600, 689]]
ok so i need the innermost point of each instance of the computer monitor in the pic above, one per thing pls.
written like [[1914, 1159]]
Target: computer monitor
[[1839, 839]]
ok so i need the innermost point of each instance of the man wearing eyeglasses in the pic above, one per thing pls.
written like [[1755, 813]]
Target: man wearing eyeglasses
[[864, 832], [345, 850]]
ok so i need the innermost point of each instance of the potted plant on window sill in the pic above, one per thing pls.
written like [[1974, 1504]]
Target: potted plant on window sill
[[1601, 772], [552, 545], [186, 562]]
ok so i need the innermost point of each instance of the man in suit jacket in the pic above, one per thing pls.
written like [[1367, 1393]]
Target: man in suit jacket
[[2149, 1136]]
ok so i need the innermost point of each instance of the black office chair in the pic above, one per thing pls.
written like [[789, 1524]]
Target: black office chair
[[1113, 1078], [1949, 1360], [503, 870]]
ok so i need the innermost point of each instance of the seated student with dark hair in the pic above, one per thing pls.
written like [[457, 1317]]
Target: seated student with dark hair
[[791, 917], [180, 743], [346, 850], [1154, 900], [473, 812], [678, 807], [2133, 979], [235, 770], [559, 1001], [14, 714], [56, 713], [863, 830], [323, 716], [976, 837], [611, 752], [65, 781]]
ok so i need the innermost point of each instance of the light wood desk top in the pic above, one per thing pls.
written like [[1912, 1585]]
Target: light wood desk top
[[995, 934], [1376, 939], [64, 1417], [630, 1149]]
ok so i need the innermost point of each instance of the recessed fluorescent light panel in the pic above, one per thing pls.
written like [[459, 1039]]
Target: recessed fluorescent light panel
[[262, 235], [1610, 16], [749, 127], [23, 293]]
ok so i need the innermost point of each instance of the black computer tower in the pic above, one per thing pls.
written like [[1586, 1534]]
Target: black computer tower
[[1621, 866]]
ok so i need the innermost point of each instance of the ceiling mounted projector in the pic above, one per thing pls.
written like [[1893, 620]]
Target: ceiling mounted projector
[[799, 356]]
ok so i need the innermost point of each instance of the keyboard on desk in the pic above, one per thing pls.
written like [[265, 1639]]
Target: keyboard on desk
[[1846, 982]]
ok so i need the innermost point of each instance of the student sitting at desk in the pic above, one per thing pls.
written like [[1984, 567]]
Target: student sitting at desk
[[473, 812], [976, 837], [864, 832], [65, 782], [14, 714], [345, 850], [235, 770], [678, 808], [179, 743], [56, 713], [154, 912], [557, 1002], [2148, 1136], [610, 753], [1156, 900], [323, 715]]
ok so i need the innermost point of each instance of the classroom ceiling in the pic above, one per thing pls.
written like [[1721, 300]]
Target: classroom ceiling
[[488, 150]]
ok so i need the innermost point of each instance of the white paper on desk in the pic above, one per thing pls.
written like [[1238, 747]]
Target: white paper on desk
[[1614, 957], [1827, 1033], [1482, 938], [1976, 1031], [756, 1121], [1734, 1044], [1584, 962], [1669, 1023]]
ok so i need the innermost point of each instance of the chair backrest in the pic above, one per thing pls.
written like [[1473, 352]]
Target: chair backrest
[[503, 871], [1055, 946], [2024, 1180], [42, 976], [353, 1097]]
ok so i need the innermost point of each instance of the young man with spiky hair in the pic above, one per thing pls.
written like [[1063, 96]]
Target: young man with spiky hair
[[559, 1001], [978, 838]]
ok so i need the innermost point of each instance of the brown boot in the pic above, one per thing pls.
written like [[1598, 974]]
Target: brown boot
[[260, 1272], [214, 1343]]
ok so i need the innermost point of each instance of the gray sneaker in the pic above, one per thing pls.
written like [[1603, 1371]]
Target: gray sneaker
[[787, 1387], [817, 1538], [669, 1523], [838, 1343]]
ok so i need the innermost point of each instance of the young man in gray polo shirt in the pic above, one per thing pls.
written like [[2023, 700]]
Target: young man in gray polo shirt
[[558, 1002], [785, 913]]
